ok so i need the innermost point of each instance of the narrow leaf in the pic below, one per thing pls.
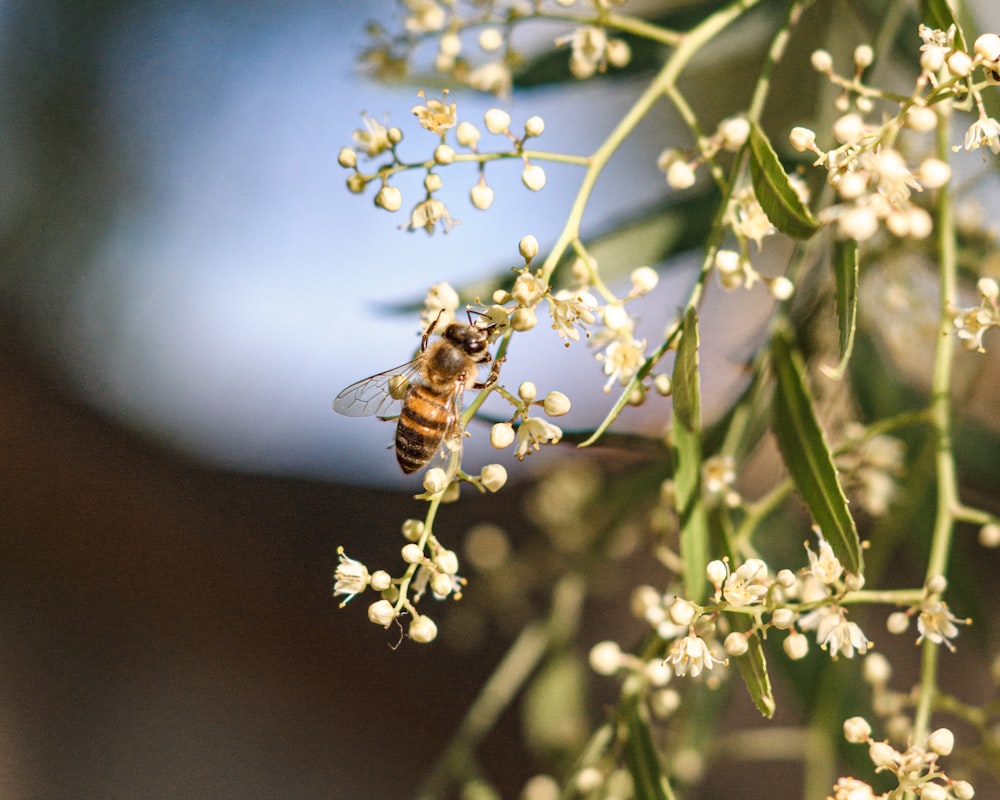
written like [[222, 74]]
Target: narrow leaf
[[774, 192], [753, 669], [648, 780], [686, 433], [845, 273], [807, 456]]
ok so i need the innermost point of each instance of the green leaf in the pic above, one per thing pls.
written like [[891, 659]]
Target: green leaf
[[753, 669], [774, 192], [686, 434], [648, 780], [807, 456], [845, 273], [937, 14]]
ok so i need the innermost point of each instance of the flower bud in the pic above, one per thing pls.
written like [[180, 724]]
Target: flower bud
[[734, 133], [467, 134], [528, 247], [481, 196], [682, 612], [389, 198], [347, 158], [680, 175], [877, 669], [989, 535], [921, 119], [413, 529], [555, 404], [644, 280], [934, 173], [882, 754], [432, 182], [781, 288], [663, 385], [493, 477], [435, 480], [932, 59], [959, 64], [442, 585], [534, 126], [497, 120], [394, 135], [412, 553], [444, 154], [987, 47], [821, 61], [423, 630], [717, 572], [605, 658], [863, 56], [941, 741], [897, 622], [381, 612], [356, 183], [736, 644], [783, 618], [490, 39], [857, 730], [381, 580], [527, 391], [796, 645], [988, 288], [524, 319], [502, 435], [533, 177]]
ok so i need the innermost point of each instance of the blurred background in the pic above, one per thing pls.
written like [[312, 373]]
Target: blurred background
[[185, 284]]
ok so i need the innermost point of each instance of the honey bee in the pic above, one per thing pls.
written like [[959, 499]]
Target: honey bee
[[430, 389]]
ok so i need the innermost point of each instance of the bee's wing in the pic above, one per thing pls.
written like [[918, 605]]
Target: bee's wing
[[455, 433], [379, 395]]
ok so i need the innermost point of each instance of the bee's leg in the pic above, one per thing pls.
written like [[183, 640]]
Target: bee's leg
[[492, 377], [430, 329]]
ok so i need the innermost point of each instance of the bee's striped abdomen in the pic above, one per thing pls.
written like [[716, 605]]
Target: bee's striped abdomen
[[422, 424]]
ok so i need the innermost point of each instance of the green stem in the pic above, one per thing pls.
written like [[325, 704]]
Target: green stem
[[688, 46], [940, 412]]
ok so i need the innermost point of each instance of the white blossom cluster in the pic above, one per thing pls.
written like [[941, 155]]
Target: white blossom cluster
[[457, 142], [873, 180], [917, 769], [473, 43]]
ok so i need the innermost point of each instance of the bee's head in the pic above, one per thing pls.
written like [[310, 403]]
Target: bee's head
[[470, 338]]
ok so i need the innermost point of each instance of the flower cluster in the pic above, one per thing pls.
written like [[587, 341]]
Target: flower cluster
[[783, 601], [430, 566], [473, 43], [916, 769], [873, 181], [457, 142]]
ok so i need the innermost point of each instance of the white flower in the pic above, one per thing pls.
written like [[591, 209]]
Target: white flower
[[428, 213], [622, 359], [534, 432], [836, 634], [937, 624], [589, 45], [825, 565], [374, 139], [572, 309], [984, 131], [528, 289], [437, 116], [351, 578], [747, 218], [691, 655], [745, 586]]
